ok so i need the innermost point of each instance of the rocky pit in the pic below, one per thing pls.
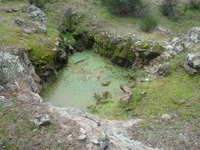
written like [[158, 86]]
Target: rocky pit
[[85, 74]]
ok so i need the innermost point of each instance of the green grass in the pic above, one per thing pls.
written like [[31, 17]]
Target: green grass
[[163, 96]]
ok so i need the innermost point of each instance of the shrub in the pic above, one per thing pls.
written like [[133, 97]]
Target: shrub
[[124, 7], [194, 4], [167, 8], [148, 23], [40, 3]]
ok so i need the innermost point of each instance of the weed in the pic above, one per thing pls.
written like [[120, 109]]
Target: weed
[[177, 126], [148, 23], [194, 127]]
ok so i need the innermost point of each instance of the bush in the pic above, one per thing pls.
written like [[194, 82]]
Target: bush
[[124, 7], [194, 4], [148, 23], [167, 8], [40, 3]]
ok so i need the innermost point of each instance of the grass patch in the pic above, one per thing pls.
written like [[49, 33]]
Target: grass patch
[[163, 96]]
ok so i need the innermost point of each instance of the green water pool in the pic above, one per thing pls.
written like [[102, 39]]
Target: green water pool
[[82, 77]]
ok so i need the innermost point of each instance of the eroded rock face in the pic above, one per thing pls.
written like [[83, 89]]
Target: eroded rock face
[[124, 51], [101, 133], [16, 68]]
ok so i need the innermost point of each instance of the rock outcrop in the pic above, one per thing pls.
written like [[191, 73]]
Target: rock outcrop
[[15, 67], [125, 51], [101, 133], [30, 28], [35, 13]]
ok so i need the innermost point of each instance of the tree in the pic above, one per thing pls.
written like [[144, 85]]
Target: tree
[[168, 6], [124, 7]]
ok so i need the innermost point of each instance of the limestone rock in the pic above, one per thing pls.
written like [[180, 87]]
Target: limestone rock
[[6, 101], [82, 130], [107, 132], [2, 89], [95, 142], [29, 27], [106, 82], [162, 30], [165, 117], [17, 69], [192, 63], [164, 69], [189, 69], [42, 120], [128, 94], [102, 96], [82, 137], [184, 101], [194, 34], [104, 141], [10, 10], [194, 60], [36, 13]]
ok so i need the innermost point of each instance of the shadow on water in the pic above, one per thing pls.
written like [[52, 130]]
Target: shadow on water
[[82, 77]]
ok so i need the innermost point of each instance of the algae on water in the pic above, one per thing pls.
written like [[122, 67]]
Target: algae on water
[[83, 77]]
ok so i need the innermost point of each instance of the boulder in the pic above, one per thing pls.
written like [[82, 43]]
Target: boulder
[[102, 96], [104, 141], [36, 13], [2, 89], [128, 94], [29, 27], [194, 34], [164, 69], [82, 130], [192, 63], [165, 117], [82, 137], [105, 82], [189, 69], [42, 120], [6, 101], [194, 60], [10, 10]]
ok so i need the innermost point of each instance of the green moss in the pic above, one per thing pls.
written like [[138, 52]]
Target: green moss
[[68, 39], [112, 47], [156, 36]]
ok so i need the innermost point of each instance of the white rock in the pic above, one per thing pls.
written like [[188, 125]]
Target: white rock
[[95, 142], [165, 117], [69, 138], [42, 120], [82, 137], [83, 131]]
